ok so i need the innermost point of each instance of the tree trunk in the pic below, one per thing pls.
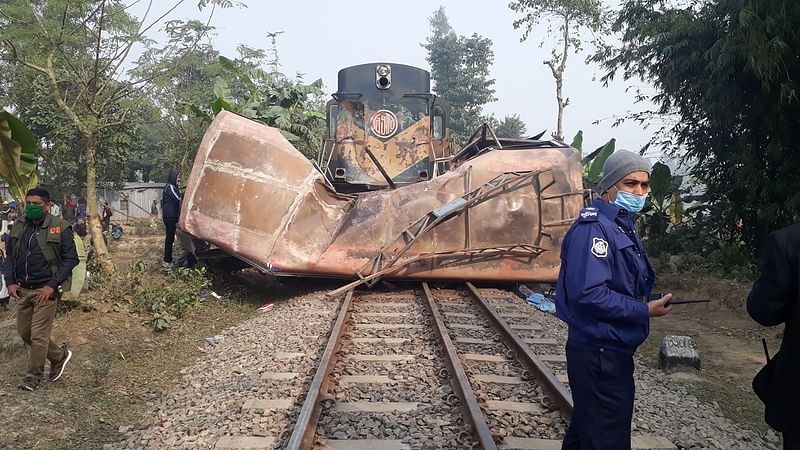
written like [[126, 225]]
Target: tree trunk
[[95, 230], [560, 99], [559, 76]]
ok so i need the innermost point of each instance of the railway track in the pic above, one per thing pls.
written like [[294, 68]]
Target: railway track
[[499, 384], [416, 368]]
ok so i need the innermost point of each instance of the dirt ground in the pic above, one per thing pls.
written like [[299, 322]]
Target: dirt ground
[[729, 343], [120, 367]]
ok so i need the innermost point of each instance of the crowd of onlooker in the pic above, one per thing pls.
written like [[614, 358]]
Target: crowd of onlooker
[[70, 209], [74, 212]]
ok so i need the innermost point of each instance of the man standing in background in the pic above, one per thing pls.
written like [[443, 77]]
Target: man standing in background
[[170, 211], [105, 215], [4, 210], [68, 211]]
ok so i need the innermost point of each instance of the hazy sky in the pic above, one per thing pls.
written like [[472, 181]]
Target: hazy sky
[[320, 37]]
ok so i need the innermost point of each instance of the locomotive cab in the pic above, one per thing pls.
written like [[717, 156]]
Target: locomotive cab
[[385, 129]]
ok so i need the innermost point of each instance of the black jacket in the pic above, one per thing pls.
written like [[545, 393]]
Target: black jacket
[[775, 300], [171, 197], [30, 269]]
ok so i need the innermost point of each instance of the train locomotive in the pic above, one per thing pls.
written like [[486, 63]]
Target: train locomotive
[[384, 129]]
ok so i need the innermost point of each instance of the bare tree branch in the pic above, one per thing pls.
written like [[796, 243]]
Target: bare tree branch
[[69, 112], [552, 68], [93, 79], [139, 34], [15, 56], [115, 95], [39, 21], [121, 120]]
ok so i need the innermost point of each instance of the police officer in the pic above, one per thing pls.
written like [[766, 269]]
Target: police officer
[[603, 287], [40, 257]]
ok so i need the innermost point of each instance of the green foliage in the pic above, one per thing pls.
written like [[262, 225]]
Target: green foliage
[[270, 98], [62, 144], [174, 132], [164, 303], [727, 72], [691, 246], [460, 68], [577, 141], [660, 182], [664, 207], [221, 3], [510, 127], [572, 19], [19, 155], [67, 73], [665, 203], [593, 163]]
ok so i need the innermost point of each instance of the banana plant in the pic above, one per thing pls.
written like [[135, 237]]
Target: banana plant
[[665, 206], [19, 156], [577, 141], [593, 162]]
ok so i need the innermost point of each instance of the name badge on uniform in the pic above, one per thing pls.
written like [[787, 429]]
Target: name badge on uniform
[[55, 230], [599, 247]]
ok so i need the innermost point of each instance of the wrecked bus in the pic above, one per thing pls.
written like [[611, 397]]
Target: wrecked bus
[[499, 213]]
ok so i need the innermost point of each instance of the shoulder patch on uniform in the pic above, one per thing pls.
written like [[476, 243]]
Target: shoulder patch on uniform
[[599, 247], [588, 214]]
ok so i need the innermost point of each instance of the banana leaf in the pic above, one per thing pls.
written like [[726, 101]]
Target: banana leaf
[[19, 155], [577, 141], [598, 158]]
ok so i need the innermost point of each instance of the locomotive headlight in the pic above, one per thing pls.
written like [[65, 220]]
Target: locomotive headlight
[[383, 76]]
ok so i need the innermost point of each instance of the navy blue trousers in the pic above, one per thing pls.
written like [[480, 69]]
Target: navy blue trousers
[[602, 390]]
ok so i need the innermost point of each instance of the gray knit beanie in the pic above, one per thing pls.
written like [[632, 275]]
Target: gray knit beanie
[[619, 164]]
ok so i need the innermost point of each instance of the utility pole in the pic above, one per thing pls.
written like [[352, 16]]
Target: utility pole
[[274, 51]]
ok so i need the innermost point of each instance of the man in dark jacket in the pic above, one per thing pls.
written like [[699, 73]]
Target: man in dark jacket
[[170, 211], [775, 300], [40, 257]]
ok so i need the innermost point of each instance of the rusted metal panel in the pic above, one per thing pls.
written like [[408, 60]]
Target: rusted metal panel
[[252, 194]]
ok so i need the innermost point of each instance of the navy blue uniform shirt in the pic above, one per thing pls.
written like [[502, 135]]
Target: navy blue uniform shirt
[[604, 276]]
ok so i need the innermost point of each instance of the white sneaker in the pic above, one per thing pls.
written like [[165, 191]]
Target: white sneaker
[[167, 265]]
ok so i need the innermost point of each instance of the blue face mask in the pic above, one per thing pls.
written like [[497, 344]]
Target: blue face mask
[[630, 202]]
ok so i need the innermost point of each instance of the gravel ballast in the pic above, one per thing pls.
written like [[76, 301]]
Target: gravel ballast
[[208, 403]]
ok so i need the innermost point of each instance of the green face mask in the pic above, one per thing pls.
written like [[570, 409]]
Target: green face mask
[[34, 212]]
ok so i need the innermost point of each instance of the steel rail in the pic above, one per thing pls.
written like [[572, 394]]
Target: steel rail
[[305, 428], [553, 388], [459, 380]]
